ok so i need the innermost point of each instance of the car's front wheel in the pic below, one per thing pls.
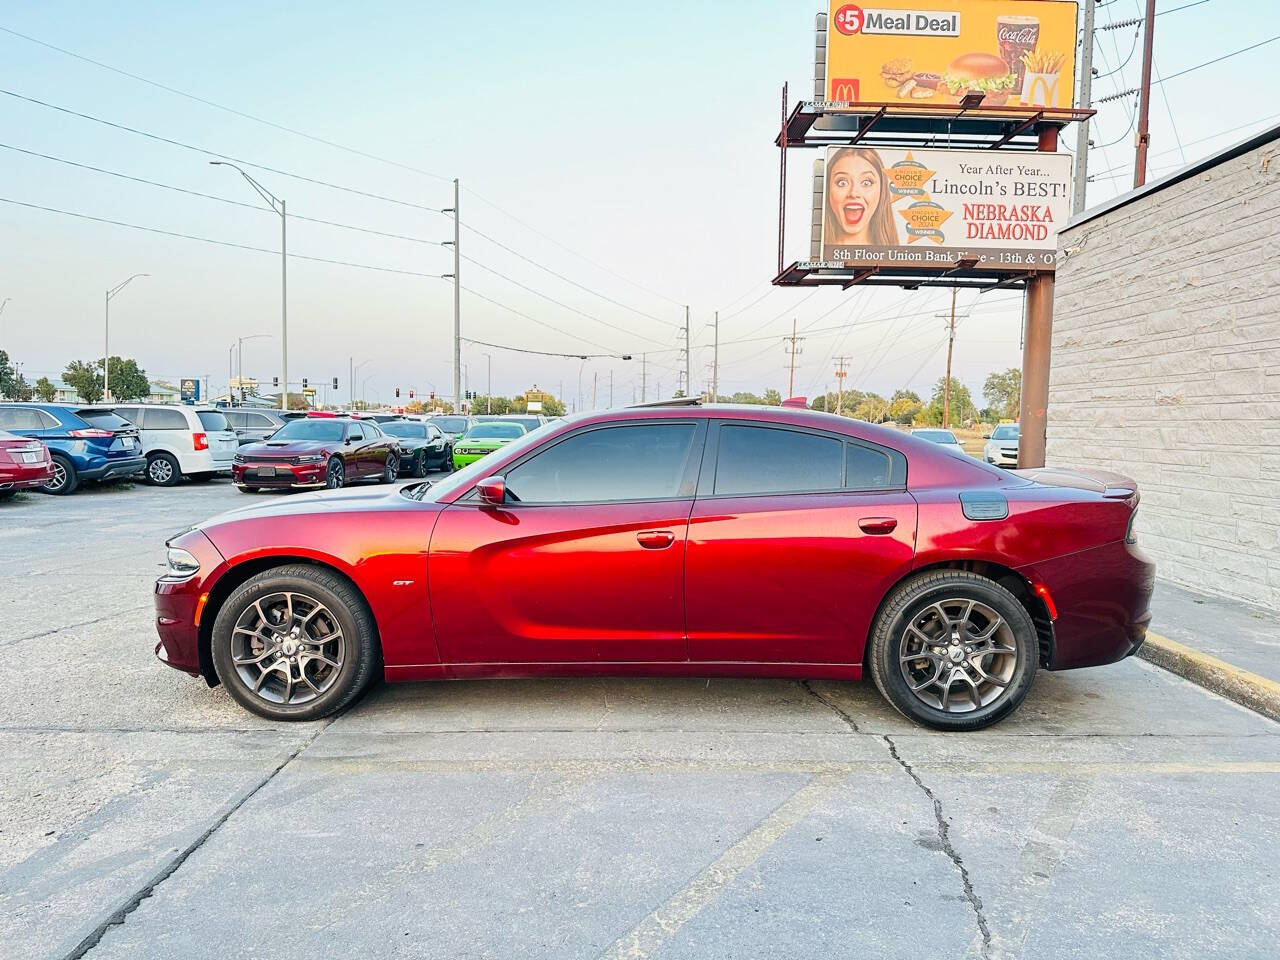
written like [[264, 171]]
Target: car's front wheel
[[953, 650], [335, 475], [295, 643], [418, 466]]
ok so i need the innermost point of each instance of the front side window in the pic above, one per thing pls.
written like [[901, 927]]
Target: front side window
[[634, 462], [761, 460]]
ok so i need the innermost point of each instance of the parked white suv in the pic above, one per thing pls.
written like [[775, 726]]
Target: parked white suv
[[178, 441]]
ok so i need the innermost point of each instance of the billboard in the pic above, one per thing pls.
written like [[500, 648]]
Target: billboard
[[189, 390], [930, 208], [1016, 52]]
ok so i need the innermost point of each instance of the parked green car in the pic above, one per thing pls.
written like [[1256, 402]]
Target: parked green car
[[484, 438]]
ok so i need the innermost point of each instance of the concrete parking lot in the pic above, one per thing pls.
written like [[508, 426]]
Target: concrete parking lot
[[1122, 811]]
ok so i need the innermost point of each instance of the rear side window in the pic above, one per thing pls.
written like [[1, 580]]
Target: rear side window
[[14, 418], [212, 420], [866, 468], [755, 460], [156, 419], [641, 462], [105, 419]]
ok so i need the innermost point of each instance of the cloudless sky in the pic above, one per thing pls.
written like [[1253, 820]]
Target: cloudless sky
[[638, 136]]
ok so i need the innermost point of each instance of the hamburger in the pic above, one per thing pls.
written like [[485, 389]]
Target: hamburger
[[983, 72]]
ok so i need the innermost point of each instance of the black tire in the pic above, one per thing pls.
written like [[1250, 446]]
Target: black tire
[[914, 599], [163, 470], [6, 495], [418, 466], [391, 469], [335, 474], [361, 661], [243, 489], [447, 465], [65, 479], [200, 477]]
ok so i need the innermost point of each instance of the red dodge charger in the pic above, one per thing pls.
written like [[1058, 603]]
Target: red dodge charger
[[692, 541]]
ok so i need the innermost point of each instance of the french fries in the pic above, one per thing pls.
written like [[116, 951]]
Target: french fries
[[1042, 61]]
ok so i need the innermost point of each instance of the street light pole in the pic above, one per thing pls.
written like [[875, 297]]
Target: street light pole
[[3, 303], [106, 333], [488, 407], [456, 276], [277, 206], [354, 370], [240, 353]]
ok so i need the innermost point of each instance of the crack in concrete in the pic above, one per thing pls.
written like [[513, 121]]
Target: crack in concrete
[[944, 837], [74, 626], [839, 711], [121, 913]]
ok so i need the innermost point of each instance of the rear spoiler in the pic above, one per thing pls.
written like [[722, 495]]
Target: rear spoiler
[[1113, 486]]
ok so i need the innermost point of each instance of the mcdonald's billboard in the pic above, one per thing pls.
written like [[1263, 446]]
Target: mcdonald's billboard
[[1015, 52], [931, 208]]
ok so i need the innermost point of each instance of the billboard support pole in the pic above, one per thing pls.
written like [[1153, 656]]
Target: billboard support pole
[[1144, 109], [1085, 69], [688, 356], [782, 179], [1037, 344], [715, 361]]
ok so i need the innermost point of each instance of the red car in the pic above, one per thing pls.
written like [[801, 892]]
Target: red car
[[317, 452], [25, 464], [691, 541]]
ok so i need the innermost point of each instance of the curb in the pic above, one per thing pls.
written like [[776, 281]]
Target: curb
[[1247, 689]]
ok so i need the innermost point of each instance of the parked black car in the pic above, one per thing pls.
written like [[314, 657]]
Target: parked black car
[[423, 446]]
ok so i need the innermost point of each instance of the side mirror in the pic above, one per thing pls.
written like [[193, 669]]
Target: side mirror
[[986, 436], [492, 490]]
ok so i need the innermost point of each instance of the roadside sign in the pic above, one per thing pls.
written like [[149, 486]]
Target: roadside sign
[[189, 389]]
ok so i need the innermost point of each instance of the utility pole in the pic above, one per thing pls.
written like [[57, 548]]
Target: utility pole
[[715, 361], [792, 349], [488, 400], [610, 388], [644, 357], [946, 387], [457, 302], [1144, 106], [841, 373], [594, 376], [1084, 64], [689, 353]]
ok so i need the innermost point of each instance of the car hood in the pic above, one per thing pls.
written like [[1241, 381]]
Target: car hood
[[289, 448], [344, 500], [493, 442]]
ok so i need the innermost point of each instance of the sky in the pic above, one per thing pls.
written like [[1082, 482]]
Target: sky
[[616, 164]]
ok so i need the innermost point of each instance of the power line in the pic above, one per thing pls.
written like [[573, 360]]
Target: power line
[[549, 353]]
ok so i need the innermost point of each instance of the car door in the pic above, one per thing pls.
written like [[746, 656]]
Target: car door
[[377, 449], [795, 535], [354, 453], [584, 563]]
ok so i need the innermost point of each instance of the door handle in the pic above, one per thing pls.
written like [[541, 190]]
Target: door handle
[[877, 525], [655, 539]]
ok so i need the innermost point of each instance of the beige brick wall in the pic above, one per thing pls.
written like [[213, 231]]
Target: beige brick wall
[[1166, 367]]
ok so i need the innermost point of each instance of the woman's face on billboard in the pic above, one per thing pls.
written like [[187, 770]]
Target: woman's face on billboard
[[853, 193]]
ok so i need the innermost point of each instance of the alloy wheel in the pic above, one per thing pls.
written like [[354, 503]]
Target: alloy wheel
[[59, 476], [336, 475], [160, 471], [957, 655], [287, 648]]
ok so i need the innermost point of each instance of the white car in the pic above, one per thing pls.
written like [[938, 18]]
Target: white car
[[1002, 445], [943, 438], [181, 441]]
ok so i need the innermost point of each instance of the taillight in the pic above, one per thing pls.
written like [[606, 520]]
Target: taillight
[[91, 433], [201, 441], [1129, 535]]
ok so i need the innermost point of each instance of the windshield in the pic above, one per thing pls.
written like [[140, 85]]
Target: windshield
[[468, 475], [529, 423], [405, 429], [1006, 431], [495, 431], [937, 436], [328, 431], [451, 424], [212, 420]]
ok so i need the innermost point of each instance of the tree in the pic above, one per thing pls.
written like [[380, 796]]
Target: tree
[[13, 385], [128, 380], [904, 406], [1003, 393], [962, 406], [83, 377], [495, 405], [743, 396], [45, 390], [872, 407], [772, 398]]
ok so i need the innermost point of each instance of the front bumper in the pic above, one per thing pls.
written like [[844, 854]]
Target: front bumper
[[1001, 458], [180, 606], [282, 475]]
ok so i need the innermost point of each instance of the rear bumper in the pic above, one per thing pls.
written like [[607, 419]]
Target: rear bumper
[[114, 469], [25, 476], [1103, 599]]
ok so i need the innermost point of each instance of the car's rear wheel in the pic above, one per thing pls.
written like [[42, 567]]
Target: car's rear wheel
[[335, 475], [953, 650], [163, 470], [392, 468], [295, 643], [6, 494], [65, 480]]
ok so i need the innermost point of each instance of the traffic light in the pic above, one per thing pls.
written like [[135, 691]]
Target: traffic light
[[433, 394], [397, 393], [335, 383], [275, 381], [304, 383], [410, 394]]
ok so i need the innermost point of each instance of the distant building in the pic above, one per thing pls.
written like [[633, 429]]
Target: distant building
[[1166, 364], [163, 393]]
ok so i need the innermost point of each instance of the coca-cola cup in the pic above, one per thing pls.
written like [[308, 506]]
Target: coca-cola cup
[[1016, 36]]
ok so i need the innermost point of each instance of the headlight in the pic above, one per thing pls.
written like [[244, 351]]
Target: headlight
[[237, 459], [311, 459], [181, 564]]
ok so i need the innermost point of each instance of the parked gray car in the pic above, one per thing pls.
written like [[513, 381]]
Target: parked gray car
[[253, 426]]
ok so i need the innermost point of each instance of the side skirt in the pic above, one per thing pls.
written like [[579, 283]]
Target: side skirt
[[463, 671]]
